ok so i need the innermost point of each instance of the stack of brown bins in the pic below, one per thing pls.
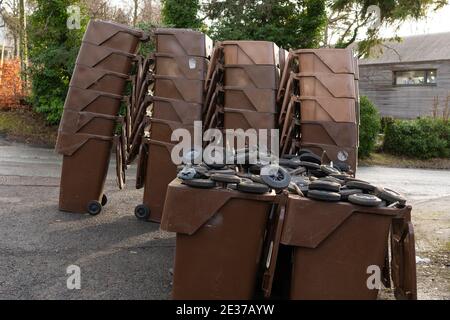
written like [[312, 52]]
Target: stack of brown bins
[[243, 84], [181, 64], [320, 109], [87, 130]]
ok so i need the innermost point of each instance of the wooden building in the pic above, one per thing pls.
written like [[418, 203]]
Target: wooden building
[[408, 79]]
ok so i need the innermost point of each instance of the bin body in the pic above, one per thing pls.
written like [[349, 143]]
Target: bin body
[[176, 110], [83, 176], [251, 52], [328, 109], [179, 88], [188, 67], [335, 246], [87, 130], [183, 42], [250, 99], [159, 173], [104, 58], [220, 236], [253, 76], [338, 61], [113, 35]]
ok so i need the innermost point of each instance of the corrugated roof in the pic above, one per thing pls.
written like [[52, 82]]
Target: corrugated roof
[[429, 47]]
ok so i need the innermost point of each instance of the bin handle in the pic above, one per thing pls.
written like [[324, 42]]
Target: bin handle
[[274, 246]]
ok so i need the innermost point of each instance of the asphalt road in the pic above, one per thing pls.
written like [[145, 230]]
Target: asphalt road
[[119, 256]]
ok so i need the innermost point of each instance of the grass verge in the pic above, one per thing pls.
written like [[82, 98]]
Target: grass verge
[[388, 160], [24, 125]]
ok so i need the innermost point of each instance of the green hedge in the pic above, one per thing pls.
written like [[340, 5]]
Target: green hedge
[[424, 138], [369, 128]]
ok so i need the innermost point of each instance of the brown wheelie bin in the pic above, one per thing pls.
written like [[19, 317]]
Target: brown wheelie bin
[[326, 85], [183, 42], [85, 77], [340, 155], [114, 35], [220, 235], [403, 258], [189, 67], [73, 122], [251, 99], [84, 170], [179, 88], [176, 110], [326, 60], [242, 119], [253, 76], [92, 101], [161, 130], [250, 52], [160, 171], [342, 134], [105, 58], [327, 109], [336, 247]]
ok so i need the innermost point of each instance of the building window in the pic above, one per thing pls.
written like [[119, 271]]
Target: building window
[[415, 78]]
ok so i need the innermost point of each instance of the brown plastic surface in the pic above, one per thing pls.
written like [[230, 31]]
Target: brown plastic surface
[[85, 77], [68, 143], [189, 67], [87, 122], [343, 134], [105, 58], [113, 35], [251, 99], [176, 110], [92, 101], [183, 42], [286, 74], [403, 262], [179, 88], [326, 85], [220, 234], [242, 119], [284, 56], [159, 173], [347, 155], [326, 60], [83, 175], [327, 109], [161, 130], [334, 244], [253, 76], [250, 52]]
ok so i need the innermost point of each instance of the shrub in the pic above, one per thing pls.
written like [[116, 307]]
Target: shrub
[[369, 127], [53, 50], [422, 138]]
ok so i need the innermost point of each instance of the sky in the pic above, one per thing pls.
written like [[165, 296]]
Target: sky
[[435, 22]]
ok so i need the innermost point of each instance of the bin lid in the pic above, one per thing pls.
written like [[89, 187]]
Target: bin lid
[[186, 209], [308, 222]]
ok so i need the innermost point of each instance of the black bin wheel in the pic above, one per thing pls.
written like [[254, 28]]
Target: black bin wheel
[[94, 208], [142, 212], [104, 200]]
